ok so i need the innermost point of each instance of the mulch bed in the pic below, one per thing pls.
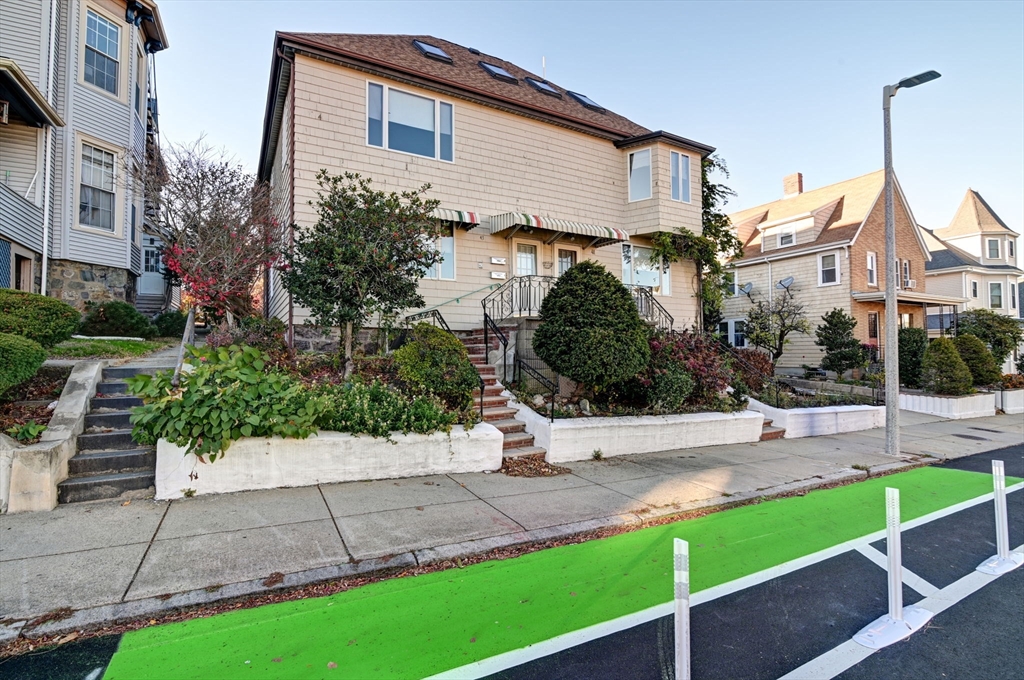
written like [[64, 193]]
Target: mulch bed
[[28, 401], [531, 466]]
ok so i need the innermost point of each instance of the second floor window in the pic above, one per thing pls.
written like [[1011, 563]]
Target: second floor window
[[730, 283], [872, 269], [96, 193], [680, 163], [974, 289], [101, 52], [993, 249], [906, 273], [1013, 296], [995, 295], [416, 125], [1010, 249], [640, 175], [828, 269]]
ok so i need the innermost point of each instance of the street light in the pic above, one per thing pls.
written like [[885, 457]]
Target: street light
[[892, 357]]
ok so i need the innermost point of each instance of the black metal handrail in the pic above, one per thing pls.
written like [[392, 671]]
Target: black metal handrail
[[520, 296], [768, 381], [435, 316], [540, 378], [649, 308]]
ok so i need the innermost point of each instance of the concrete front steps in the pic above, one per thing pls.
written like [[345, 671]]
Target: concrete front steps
[[109, 463], [768, 432], [497, 412]]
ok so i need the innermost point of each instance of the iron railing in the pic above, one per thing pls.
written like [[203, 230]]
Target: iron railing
[[519, 297], [543, 380], [650, 309], [770, 384], [435, 317]]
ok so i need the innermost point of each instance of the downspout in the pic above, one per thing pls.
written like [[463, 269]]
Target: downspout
[[47, 186]]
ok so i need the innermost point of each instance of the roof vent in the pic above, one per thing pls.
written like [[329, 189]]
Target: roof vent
[[499, 73], [432, 52], [473, 50]]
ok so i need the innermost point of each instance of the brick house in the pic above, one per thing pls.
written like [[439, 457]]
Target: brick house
[[831, 242], [532, 177]]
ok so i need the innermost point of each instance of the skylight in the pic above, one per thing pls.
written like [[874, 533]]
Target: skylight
[[499, 73], [431, 51], [544, 87], [586, 101]]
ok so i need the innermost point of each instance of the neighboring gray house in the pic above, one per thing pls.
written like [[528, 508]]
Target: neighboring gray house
[[77, 112]]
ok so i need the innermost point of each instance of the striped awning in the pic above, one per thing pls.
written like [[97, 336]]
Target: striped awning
[[470, 219], [602, 235]]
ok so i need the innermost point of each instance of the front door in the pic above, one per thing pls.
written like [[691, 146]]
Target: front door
[[567, 257], [152, 280]]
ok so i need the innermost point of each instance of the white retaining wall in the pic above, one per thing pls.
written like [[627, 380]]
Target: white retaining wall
[[821, 420], [569, 439], [1010, 401], [955, 408], [262, 463]]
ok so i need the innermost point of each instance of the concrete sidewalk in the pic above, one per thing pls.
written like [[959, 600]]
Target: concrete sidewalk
[[110, 561]]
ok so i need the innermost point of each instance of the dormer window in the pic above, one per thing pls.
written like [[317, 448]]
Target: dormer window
[[499, 73], [586, 101], [787, 237], [432, 51], [993, 249], [543, 87]]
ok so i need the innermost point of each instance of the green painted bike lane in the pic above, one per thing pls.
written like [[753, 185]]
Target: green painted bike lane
[[419, 626]]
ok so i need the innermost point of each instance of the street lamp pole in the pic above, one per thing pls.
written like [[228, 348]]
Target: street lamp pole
[[892, 357]]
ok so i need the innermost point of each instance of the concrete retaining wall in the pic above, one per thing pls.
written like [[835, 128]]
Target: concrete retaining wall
[[570, 439], [1010, 401], [955, 408], [261, 463], [821, 420]]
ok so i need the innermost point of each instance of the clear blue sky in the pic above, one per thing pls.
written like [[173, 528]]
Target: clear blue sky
[[777, 87]]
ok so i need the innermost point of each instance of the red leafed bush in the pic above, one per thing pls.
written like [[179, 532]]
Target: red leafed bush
[[753, 367], [1013, 381], [700, 356]]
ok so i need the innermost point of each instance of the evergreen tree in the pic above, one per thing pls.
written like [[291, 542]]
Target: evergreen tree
[[943, 371], [842, 350], [979, 360]]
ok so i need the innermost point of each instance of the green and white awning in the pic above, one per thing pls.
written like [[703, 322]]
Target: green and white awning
[[601, 236], [463, 217]]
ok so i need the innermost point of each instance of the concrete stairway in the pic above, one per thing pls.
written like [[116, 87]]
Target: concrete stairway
[[768, 432], [497, 412], [149, 304], [109, 463]]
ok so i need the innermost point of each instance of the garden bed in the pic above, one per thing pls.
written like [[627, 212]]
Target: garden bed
[[599, 437], [821, 420], [96, 348], [328, 457], [976, 405]]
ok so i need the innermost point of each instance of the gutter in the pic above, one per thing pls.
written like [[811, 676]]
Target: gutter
[[808, 251]]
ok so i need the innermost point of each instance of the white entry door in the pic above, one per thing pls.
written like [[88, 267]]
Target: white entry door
[[152, 280]]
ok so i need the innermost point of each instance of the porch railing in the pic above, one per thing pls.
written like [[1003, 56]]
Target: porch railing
[[650, 309]]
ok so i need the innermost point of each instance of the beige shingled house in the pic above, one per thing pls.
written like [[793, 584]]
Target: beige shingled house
[[827, 246]]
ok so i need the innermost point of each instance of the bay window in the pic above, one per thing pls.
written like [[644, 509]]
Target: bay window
[[680, 164], [640, 175], [995, 295], [102, 52]]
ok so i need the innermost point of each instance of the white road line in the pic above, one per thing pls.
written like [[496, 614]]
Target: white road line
[[910, 579], [517, 657], [847, 655]]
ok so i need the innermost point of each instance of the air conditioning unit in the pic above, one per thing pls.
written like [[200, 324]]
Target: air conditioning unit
[[910, 283]]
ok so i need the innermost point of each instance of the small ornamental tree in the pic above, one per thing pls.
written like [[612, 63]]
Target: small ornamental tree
[[364, 256], [842, 351], [979, 360], [999, 332], [913, 342], [943, 371], [769, 324], [591, 330]]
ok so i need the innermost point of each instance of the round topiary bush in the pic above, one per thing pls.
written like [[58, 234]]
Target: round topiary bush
[[435, 362], [20, 358], [591, 330], [118, 319], [979, 360], [943, 371], [913, 342], [42, 319], [170, 324]]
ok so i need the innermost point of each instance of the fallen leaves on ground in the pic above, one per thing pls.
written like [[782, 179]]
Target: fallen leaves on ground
[[533, 465]]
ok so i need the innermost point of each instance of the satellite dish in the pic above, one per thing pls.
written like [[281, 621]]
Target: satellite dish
[[746, 288], [785, 283]]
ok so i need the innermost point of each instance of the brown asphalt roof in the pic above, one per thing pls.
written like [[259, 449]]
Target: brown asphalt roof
[[973, 217], [398, 52]]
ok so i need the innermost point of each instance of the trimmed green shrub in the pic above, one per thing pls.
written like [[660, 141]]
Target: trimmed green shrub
[[943, 371], [20, 358], [118, 319], [591, 330], [378, 410], [435, 362], [842, 351], [228, 395], [170, 324], [913, 342], [979, 360], [45, 320]]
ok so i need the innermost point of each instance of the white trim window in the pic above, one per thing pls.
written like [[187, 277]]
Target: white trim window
[[731, 283], [872, 269], [786, 237], [680, 164], [416, 125], [640, 175], [445, 244], [1013, 296], [993, 249], [906, 274], [828, 269], [102, 52], [995, 295], [640, 267], [974, 289], [734, 332], [1011, 249], [96, 191]]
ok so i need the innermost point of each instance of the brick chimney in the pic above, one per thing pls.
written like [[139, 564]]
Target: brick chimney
[[793, 185]]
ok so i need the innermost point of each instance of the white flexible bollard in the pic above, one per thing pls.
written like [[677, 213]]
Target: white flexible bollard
[[1003, 561], [901, 621], [682, 602]]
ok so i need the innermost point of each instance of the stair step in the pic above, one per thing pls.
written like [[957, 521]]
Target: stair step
[[489, 380], [112, 388], [129, 371], [108, 462], [116, 403], [97, 487], [767, 422], [117, 420], [770, 433], [100, 441], [508, 425], [491, 390], [491, 401], [516, 440], [499, 413], [486, 369], [524, 451]]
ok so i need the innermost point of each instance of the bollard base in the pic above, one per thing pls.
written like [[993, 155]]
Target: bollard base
[[886, 630], [998, 566]]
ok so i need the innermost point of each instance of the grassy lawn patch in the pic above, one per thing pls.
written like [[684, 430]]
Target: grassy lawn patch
[[107, 349]]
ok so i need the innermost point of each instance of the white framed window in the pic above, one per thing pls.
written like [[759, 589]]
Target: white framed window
[[140, 83], [1011, 248], [445, 244], [974, 289], [906, 273], [102, 52], [96, 191], [872, 269], [1013, 296], [995, 295], [640, 267], [734, 332], [786, 237], [731, 283], [993, 249], [640, 175], [680, 163], [409, 123], [828, 269]]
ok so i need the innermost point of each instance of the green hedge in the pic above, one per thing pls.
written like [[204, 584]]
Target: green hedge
[[943, 371], [979, 360], [42, 319], [118, 319], [171, 324], [436, 362], [20, 358], [912, 342]]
